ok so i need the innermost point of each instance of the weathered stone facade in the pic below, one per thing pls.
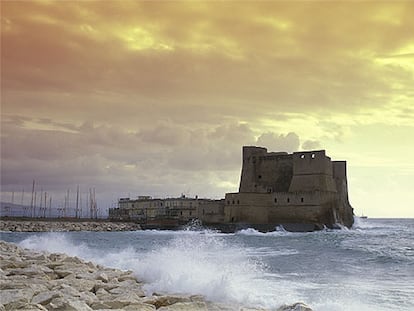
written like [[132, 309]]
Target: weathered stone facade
[[301, 191], [169, 212]]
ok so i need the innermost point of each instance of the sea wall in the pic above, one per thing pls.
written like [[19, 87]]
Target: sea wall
[[42, 226], [31, 280]]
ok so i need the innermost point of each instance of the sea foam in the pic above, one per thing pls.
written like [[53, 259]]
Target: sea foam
[[366, 268], [190, 263]]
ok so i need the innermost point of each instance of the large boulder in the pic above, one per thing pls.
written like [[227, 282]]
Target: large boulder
[[45, 297], [14, 296], [67, 304]]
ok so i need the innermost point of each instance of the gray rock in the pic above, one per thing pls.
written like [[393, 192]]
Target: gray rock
[[162, 301], [67, 304], [139, 307], [102, 276], [128, 286], [9, 296], [88, 297], [299, 306], [185, 306], [26, 307], [35, 281], [45, 297]]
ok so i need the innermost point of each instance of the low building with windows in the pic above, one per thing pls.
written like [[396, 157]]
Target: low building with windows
[[166, 212]]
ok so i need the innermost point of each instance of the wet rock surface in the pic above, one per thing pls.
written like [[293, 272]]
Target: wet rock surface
[[31, 280]]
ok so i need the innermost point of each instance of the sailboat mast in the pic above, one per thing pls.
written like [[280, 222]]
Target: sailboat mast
[[45, 208], [77, 203], [34, 205], [50, 206], [32, 202]]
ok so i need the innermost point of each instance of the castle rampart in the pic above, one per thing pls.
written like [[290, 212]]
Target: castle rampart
[[299, 188]]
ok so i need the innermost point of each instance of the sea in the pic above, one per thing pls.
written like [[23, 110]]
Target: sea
[[368, 267]]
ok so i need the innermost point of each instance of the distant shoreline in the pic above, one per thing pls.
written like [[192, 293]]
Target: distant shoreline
[[58, 219], [61, 225]]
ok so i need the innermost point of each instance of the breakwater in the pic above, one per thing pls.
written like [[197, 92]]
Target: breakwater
[[31, 280], [67, 225]]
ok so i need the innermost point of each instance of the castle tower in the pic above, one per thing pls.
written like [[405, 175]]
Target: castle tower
[[249, 177], [344, 212], [265, 172], [312, 171]]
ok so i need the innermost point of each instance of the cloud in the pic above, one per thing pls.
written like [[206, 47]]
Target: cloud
[[159, 96], [311, 145], [279, 142], [83, 48], [162, 159]]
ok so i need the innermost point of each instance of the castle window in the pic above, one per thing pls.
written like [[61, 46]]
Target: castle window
[[288, 200], [302, 156], [275, 200], [260, 176], [181, 213], [233, 201], [238, 202], [191, 213], [228, 202], [313, 156], [301, 199]]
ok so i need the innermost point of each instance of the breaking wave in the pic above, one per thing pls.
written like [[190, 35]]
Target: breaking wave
[[335, 270], [191, 263]]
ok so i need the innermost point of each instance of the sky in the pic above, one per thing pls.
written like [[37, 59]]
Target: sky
[[158, 98]]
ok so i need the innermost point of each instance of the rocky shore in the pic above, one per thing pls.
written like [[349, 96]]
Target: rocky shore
[[31, 280], [42, 226]]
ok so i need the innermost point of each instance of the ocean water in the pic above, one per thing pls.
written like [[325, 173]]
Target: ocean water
[[370, 267]]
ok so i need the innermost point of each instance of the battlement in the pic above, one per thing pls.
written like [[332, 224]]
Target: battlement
[[304, 186], [267, 172], [312, 171], [311, 162]]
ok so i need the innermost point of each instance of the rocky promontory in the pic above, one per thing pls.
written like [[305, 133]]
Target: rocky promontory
[[36, 225], [31, 280]]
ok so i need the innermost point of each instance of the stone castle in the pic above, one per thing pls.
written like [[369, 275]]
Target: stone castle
[[303, 191]]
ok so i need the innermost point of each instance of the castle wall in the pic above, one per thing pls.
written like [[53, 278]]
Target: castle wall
[[302, 207], [312, 171], [246, 208], [264, 172], [278, 208], [211, 212], [343, 210]]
